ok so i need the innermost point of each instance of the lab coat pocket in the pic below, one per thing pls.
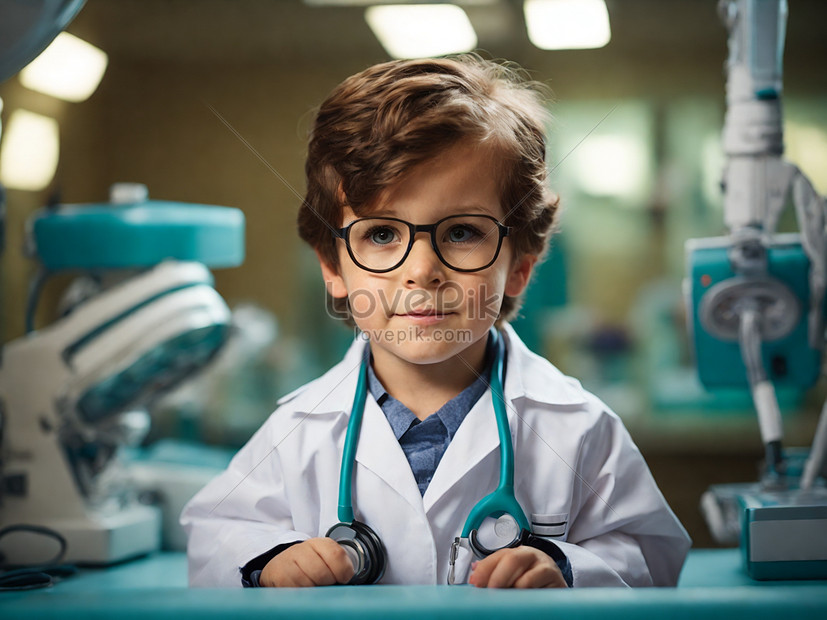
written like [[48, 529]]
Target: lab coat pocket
[[550, 525]]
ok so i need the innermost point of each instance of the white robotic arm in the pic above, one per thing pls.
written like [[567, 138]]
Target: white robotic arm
[[757, 305]]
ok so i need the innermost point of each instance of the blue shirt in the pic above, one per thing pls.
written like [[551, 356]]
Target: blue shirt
[[425, 441]]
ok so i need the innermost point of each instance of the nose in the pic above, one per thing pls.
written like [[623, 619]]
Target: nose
[[422, 267]]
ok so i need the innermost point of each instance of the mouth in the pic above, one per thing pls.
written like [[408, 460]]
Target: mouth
[[425, 314]]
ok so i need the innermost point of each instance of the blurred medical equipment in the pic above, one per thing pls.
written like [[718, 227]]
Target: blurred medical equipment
[[27, 28], [201, 423], [757, 301], [256, 366], [141, 317], [363, 545]]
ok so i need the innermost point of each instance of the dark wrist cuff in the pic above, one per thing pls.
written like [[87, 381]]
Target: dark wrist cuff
[[556, 554]]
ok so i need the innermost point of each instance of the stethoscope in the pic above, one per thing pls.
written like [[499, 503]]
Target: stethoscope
[[363, 545]]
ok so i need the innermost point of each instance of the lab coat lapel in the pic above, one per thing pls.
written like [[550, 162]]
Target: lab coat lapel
[[380, 452], [475, 439]]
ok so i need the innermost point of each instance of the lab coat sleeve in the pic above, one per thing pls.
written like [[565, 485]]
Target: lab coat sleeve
[[622, 531], [238, 515]]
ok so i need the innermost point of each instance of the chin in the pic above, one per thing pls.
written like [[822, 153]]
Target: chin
[[421, 352]]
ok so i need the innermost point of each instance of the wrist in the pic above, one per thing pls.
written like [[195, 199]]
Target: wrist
[[555, 553]]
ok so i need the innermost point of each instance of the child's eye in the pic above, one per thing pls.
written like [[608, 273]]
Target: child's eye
[[461, 233], [380, 235]]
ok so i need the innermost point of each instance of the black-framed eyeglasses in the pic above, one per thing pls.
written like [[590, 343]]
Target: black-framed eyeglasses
[[465, 242]]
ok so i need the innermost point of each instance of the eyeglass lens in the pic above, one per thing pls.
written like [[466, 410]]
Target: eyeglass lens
[[464, 241]]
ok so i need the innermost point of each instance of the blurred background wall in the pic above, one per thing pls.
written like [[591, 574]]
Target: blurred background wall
[[210, 101]]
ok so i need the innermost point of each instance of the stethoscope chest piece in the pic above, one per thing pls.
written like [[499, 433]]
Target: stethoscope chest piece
[[364, 548], [508, 535]]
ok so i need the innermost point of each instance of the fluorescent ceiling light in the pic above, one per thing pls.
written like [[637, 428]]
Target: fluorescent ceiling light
[[29, 153], [70, 68], [421, 30], [567, 24], [349, 3]]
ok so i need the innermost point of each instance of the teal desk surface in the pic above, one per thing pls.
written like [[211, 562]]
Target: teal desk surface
[[712, 585]]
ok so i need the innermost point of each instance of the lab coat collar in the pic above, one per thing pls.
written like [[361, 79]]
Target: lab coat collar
[[475, 439], [332, 393], [527, 376], [380, 452]]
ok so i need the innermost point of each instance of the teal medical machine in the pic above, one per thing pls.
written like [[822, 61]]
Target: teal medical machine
[[756, 303], [139, 316]]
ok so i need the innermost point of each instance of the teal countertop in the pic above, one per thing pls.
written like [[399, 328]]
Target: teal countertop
[[712, 585]]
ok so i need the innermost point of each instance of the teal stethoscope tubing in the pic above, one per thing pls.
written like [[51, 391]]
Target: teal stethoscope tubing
[[354, 425], [501, 501]]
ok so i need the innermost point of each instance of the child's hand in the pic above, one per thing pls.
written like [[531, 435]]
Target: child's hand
[[519, 567], [314, 562]]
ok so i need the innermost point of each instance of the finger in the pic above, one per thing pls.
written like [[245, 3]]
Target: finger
[[485, 568], [315, 567], [331, 563], [283, 572], [541, 576], [481, 571], [509, 568], [296, 567], [337, 560], [293, 576]]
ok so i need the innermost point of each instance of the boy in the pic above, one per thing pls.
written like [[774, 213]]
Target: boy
[[427, 207]]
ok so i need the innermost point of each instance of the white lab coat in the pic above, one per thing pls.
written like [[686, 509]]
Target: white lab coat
[[580, 479]]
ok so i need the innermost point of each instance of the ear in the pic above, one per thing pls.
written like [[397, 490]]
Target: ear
[[520, 274], [334, 282]]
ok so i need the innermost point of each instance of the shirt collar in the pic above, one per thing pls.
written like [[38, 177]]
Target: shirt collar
[[451, 414]]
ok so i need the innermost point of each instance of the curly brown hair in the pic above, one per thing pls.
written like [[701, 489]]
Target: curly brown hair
[[379, 124]]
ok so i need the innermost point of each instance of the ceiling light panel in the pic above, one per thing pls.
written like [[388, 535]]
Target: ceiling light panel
[[70, 69], [30, 149], [567, 24], [421, 30]]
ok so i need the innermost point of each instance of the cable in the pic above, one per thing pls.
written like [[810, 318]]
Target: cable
[[34, 577], [763, 391], [40, 576]]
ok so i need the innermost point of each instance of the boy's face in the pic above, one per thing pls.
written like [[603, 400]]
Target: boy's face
[[424, 312]]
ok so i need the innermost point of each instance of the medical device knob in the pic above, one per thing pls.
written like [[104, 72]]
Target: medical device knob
[[721, 307], [128, 193]]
